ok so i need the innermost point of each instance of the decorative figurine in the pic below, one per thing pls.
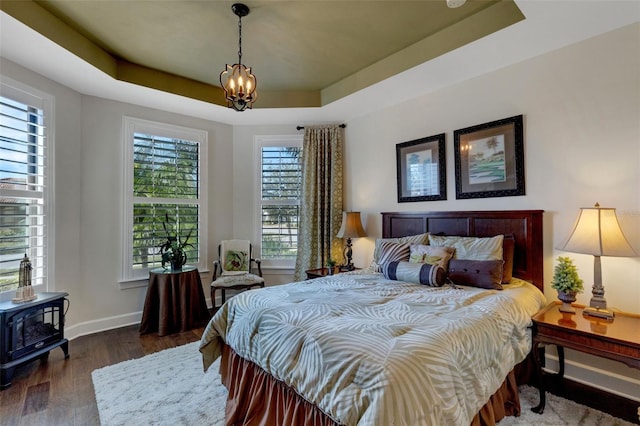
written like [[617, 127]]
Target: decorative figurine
[[25, 292]]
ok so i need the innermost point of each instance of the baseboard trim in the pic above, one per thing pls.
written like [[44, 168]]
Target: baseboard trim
[[579, 384], [90, 327], [606, 380]]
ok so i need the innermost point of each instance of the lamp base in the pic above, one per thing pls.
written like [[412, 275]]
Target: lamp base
[[597, 312], [24, 294]]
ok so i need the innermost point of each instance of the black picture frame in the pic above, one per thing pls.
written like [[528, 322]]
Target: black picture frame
[[497, 167], [421, 169]]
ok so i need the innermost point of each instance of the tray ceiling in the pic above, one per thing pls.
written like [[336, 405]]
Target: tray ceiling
[[304, 53]]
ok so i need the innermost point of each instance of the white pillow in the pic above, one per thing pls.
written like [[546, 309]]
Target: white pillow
[[420, 253], [471, 248]]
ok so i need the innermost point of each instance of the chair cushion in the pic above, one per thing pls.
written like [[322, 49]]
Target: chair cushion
[[229, 273], [237, 280]]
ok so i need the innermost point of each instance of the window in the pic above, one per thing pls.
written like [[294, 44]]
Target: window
[[25, 182], [280, 192], [165, 180]]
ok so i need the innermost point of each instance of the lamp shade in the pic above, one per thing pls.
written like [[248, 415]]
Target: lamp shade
[[598, 233], [351, 226]]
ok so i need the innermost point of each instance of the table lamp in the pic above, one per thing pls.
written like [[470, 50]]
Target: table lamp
[[351, 228], [598, 233]]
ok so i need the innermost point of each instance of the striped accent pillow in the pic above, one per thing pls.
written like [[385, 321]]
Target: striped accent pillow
[[412, 239], [419, 273], [390, 252]]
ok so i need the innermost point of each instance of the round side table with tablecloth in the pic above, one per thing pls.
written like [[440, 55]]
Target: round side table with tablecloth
[[175, 302]]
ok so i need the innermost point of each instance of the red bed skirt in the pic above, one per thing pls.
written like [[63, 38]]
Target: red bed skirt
[[256, 398]]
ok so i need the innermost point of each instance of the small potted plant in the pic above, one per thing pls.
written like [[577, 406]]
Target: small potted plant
[[331, 264], [172, 251], [567, 282]]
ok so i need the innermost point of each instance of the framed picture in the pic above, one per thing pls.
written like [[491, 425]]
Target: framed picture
[[421, 170], [489, 159]]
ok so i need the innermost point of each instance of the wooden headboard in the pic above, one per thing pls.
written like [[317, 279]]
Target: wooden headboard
[[524, 225]]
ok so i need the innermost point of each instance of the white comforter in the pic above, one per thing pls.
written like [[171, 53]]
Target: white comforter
[[370, 351]]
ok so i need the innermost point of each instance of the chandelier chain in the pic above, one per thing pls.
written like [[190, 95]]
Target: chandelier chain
[[239, 39]]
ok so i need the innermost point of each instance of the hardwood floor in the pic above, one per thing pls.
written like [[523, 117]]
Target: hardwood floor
[[60, 392]]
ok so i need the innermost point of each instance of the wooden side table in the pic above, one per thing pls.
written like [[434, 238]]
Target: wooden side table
[[323, 272], [618, 340], [175, 302]]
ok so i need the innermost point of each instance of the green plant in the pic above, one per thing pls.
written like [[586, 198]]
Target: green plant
[[172, 251], [565, 276], [331, 263]]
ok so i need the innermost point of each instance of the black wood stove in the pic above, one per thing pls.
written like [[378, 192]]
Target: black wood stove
[[29, 331]]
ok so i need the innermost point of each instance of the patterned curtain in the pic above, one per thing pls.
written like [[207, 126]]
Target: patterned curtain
[[321, 203]]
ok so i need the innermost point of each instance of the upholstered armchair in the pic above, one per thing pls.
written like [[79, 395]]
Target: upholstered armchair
[[233, 270]]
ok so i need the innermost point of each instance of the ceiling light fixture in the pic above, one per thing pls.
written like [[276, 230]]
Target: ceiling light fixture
[[452, 4], [240, 84]]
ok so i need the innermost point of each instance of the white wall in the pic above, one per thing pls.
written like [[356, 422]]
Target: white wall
[[68, 178], [88, 201], [101, 167], [581, 108]]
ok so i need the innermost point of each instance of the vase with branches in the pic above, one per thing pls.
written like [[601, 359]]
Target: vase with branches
[[172, 251]]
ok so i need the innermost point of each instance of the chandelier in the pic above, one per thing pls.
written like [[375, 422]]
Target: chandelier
[[238, 82]]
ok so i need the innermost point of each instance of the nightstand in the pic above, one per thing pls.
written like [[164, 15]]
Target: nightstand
[[323, 272], [618, 340]]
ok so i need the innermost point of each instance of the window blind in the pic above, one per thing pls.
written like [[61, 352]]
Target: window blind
[[165, 185], [23, 181], [281, 183]]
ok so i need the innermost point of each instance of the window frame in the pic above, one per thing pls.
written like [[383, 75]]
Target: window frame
[[132, 125], [261, 141], [31, 96]]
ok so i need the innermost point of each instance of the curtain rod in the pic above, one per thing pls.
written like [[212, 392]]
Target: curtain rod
[[302, 127]]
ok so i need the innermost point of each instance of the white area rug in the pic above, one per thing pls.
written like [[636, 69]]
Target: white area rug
[[164, 388], [169, 388]]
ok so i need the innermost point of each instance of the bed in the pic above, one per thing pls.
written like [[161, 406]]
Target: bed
[[361, 348]]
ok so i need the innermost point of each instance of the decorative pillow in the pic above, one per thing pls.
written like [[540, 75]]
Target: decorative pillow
[[390, 252], [472, 248], [476, 273], [420, 253], [419, 273], [236, 261], [508, 248], [412, 239]]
